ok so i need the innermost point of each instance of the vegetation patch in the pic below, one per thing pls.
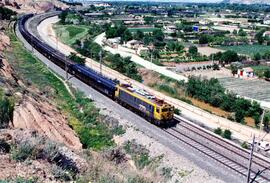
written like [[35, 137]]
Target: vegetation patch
[[83, 116], [70, 33], [6, 109], [247, 49], [140, 155]]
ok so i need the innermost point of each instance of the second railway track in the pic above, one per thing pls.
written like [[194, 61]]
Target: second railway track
[[228, 154]]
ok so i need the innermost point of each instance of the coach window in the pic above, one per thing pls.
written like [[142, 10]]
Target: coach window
[[158, 110]]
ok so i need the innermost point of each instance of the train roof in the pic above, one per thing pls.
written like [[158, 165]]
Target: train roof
[[145, 95], [96, 76]]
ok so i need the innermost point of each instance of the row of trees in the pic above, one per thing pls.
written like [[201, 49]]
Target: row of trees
[[123, 65], [212, 92]]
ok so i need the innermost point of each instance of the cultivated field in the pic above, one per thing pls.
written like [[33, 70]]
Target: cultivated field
[[142, 29], [70, 33], [247, 49], [256, 89]]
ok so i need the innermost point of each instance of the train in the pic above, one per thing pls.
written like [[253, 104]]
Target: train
[[154, 110]]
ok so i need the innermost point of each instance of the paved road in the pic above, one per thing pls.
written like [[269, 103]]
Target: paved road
[[202, 161], [138, 60]]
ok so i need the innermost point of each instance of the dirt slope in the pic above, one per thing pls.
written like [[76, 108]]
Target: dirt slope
[[33, 111], [32, 6]]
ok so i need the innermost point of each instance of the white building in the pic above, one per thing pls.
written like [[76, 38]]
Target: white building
[[246, 72]]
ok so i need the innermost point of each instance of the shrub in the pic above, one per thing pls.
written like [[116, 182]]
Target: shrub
[[227, 134], [6, 110], [177, 111], [244, 145], [218, 131], [22, 151], [61, 174], [167, 172]]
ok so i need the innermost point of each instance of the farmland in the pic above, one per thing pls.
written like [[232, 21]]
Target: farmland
[[70, 33], [247, 49], [259, 90], [143, 29]]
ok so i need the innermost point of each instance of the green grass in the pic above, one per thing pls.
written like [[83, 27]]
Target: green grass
[[260, 69], [82, 114], [70, 33], [145, 30], [247, 49]]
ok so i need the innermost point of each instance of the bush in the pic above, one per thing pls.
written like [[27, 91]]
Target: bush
[[6, 110], [61, 174], [218, 131], [177, 111], [167, 172], [227, 134], [22, 151], [244, 145]]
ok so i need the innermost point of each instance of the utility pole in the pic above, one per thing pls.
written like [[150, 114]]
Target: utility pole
[[250, 159], [100, 61], [261, 124], [32, 49], [66, 68]]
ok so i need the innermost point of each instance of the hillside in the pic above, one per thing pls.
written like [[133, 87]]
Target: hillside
[[247, 1]]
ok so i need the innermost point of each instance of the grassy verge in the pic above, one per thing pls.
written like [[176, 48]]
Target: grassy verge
[[70, 33], [83, 116]]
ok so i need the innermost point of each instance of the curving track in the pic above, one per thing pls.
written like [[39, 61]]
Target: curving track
[[226, 153]]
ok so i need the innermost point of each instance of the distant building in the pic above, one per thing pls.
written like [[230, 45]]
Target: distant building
[[246, 72], [266, 21], [133, 44]]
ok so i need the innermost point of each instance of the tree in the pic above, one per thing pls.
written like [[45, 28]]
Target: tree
[[6, 110], [62, 16], [227, 134], [257, 56], [76, 58], [266, 121], [256, 118], [229, 57], [139, 35], [215, 67], [218, 131], [234, 32], [239, 115], [127, 36], [158, 35], [267, 73], [6, 14], [149, 20], [234, 69], [242, 33], [204, 39], [259, 36], [193, 50]]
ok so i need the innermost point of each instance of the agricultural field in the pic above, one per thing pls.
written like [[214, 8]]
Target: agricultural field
[[70, 33], [145, 30], [247, 49], [256, 89], [260, 69]]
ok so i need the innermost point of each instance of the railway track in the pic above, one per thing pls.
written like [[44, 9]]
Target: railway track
[[229, 155], [226, 153]]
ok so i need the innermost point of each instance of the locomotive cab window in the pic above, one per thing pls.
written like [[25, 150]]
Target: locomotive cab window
[[165, 110]]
